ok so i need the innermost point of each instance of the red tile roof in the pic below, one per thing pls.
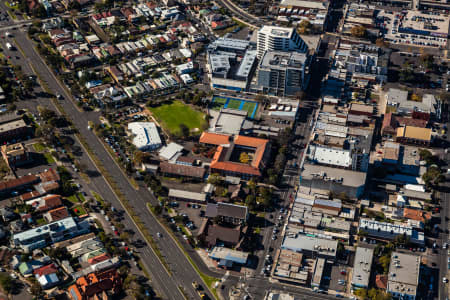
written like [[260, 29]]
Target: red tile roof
[[414, 214], [98, 258], [57, 214], [214, 138], [45, 270], [381, 281], [217, 163]]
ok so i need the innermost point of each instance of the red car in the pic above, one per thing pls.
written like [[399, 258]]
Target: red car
[[116, 232]]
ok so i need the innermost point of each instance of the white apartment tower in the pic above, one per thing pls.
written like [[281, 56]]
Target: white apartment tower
[[279, 39]]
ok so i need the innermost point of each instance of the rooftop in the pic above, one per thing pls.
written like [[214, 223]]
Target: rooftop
[[346, 177], [221, 253], [416, 133], [187, 195], [404, 273], [275, 31], [145, 134], [330, 156], [362, 266], [302, 242], [182, 170], [282, 60]]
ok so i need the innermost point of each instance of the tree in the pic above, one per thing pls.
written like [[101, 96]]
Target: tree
[[244, 158], [141, 157], [426, 60], [433, 176], [304, 27], [36, 289], [361, 293], [358, 31], [184, 130], [382, 43], [125, 236], [406, 73], [250, 201], [445, 97], [215, 179], [6, 282], [385, 261]]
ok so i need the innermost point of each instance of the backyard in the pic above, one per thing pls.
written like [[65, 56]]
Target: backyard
[[172, 115]]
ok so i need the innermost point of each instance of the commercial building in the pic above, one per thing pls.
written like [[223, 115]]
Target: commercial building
[[362, 267], [227, 257], [403, 278], [229, 213], [283, 73], [231, 63], [388, 231], [15, 155], [309, 245], [182, 195], [181, 170], [44, 235], [228, 159], [414, 135], [424, 109], [315, 12], [274, 38], [318, 179], [146, 135], [362, 62], [13, 130]]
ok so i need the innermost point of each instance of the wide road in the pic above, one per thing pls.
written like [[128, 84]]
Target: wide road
[[240, 13], [183, 272]]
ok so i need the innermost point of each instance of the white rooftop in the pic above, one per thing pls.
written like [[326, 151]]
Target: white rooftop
[[403, 274], [146, 135], [171, 151], [331, 156]]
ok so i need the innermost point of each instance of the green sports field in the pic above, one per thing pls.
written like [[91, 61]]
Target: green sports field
[[172, 115]]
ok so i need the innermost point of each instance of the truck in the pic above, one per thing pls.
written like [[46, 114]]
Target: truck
[[9, 46]]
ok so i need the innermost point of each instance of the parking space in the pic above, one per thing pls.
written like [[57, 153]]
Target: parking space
[[415, 28], [192, 215]]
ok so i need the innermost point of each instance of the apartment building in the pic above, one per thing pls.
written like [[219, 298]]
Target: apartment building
[[283, 73], [276, 38]]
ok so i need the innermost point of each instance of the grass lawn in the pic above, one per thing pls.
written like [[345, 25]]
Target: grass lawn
[[78, 210], [249, 107], [218, 103], [39, 147], [40, 221], [49, 158], [73, 199], [172, 115], [233, 103], [98, 198]]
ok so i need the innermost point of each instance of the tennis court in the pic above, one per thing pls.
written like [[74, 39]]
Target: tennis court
[[226, 102]]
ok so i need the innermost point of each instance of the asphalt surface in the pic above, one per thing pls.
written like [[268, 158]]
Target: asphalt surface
[[183, 273], [445, 214]]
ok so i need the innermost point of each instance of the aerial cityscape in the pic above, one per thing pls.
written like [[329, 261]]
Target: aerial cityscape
[[227, 149]]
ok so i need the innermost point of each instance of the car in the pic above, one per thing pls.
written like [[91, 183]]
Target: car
[[116, 232], [159, 234], [274, 237], [444, 280], [185, 237], [13, 275], [59, 97], [445, 246]]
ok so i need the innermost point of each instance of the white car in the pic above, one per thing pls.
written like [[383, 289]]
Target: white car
[[444, 280]]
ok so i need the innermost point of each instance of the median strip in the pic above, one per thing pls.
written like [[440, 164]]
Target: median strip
[[136, 220], [207, 280]]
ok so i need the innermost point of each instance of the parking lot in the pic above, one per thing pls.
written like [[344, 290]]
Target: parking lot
[[415, 28]]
